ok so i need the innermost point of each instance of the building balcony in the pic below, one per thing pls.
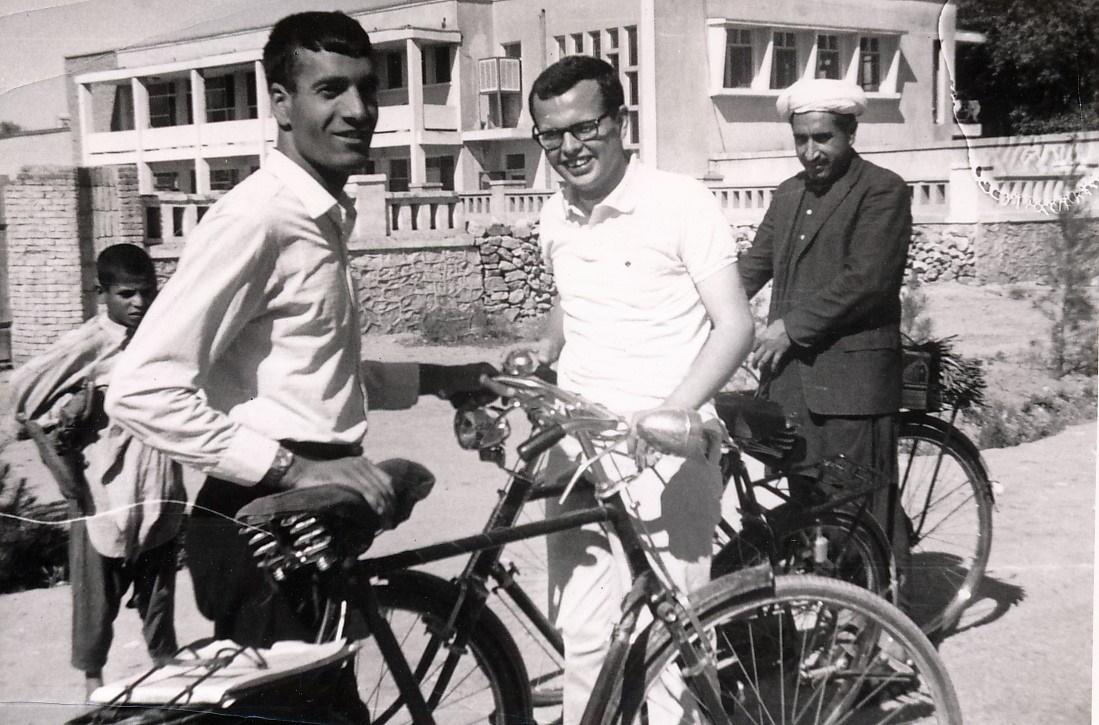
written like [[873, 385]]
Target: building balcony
[[244, 137]]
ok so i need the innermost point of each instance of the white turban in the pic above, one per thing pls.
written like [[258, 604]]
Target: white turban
[[821, 94]]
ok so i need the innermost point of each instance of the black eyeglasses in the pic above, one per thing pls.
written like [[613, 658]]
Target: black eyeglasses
[[552, 138]]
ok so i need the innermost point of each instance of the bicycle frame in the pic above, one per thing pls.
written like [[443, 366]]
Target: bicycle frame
[[486, 547]]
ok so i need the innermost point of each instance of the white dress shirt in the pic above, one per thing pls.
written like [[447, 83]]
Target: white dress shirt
[[255, 338]]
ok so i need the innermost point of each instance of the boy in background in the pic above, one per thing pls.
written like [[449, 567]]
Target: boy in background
[[131, 497]]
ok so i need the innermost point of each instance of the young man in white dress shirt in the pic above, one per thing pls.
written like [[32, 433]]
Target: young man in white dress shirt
[[248, 366], [650, 313]]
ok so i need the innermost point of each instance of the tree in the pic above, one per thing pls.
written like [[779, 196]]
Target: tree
[[1038, 72], [8, 128]]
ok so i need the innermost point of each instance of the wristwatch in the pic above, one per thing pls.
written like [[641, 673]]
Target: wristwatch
[[279, 466]]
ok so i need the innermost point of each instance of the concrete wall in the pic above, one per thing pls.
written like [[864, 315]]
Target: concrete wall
[[52, 147]]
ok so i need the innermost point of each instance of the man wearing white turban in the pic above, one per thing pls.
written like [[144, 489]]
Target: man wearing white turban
[[834, 241]]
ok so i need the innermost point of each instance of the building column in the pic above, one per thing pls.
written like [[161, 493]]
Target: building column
[[417, 170], [141, 122], [83, 119], [263, 108], [646, 77], [198, 113], [947, 69]]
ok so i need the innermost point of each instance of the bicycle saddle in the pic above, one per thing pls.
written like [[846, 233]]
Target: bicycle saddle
[[323, 525], [758, 423]]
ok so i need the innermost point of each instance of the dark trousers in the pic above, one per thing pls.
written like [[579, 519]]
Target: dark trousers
[[866, 440], [244, 603], [98, 585]]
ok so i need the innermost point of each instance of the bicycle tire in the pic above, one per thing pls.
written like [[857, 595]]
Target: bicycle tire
[[856, 549], [898, 678], [947, 499], [490, 683]]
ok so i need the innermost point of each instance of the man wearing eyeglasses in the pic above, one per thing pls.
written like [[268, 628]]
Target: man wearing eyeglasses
[[650, 313]]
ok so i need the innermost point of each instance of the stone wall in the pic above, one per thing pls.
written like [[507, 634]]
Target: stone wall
[[516, 284], [1020, 251], [397, 287], [50, 281]]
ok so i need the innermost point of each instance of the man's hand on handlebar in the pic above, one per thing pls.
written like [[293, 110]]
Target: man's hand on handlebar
[[375, 485], [460, 384]]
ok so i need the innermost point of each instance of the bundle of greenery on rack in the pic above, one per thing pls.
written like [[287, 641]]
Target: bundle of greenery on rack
[[953, 379]]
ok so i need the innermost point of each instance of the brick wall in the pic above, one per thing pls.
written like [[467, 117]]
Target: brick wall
[[58, 219], [50, 288]]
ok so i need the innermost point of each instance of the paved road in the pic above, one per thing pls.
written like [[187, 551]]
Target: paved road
[[1023, 656]]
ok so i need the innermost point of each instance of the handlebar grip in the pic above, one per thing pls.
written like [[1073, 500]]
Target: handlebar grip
[[540, 442]]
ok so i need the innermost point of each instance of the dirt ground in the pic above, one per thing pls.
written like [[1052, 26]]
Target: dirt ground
[[1023, 654]]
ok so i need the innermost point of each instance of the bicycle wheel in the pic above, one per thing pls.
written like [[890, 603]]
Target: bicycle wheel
[[487, 685], [947, 500], [807, 650], [835, 544]]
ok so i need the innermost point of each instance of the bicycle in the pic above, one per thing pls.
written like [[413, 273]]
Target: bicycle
[[943, 485], [749, 645]]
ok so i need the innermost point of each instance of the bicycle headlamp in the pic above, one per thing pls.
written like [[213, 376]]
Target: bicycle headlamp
[[479, 429]]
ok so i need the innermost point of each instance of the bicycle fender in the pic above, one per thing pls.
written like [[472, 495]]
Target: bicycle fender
[[746, 582]]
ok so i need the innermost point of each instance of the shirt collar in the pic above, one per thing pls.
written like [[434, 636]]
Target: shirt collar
[[116, 332], [623, 198], [314, 197]]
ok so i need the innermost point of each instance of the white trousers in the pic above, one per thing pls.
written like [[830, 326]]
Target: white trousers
[[677, 505]]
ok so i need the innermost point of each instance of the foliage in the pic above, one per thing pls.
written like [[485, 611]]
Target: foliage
[[32, 554], [1068, 302], [8, 128], [1038, 72], [447, 325], [1065, 402]]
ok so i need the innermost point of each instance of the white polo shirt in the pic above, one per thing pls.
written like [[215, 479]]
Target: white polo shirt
[[627, 276]]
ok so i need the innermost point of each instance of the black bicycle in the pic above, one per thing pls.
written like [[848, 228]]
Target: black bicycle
[[944, 487], [751, 646]]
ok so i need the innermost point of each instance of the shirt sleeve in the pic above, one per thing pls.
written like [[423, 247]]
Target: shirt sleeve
[[706, 243], [157, 391], [40, 385]]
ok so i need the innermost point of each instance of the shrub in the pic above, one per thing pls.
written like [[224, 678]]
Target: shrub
[[451, 325], [33, 552], [1069, 400]]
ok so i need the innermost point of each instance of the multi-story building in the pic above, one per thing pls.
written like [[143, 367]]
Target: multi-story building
[[701, 78]]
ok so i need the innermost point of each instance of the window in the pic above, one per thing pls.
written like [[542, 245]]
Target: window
[[437, 70], [611, 55], [561, 50], [631, 88], [512, 50], [223, 179], [631, 45], [122, 113], [398, 175], [784, 61], [738, 58], [936, 49], [516, 165], [165, 181], [250, 94], [828, 57], [869, 64], [394, 70], [578, 43], [440, 170], [220, 99], [162, 104]]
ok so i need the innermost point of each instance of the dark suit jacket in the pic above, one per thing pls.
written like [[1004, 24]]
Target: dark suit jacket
[[839, 289]]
